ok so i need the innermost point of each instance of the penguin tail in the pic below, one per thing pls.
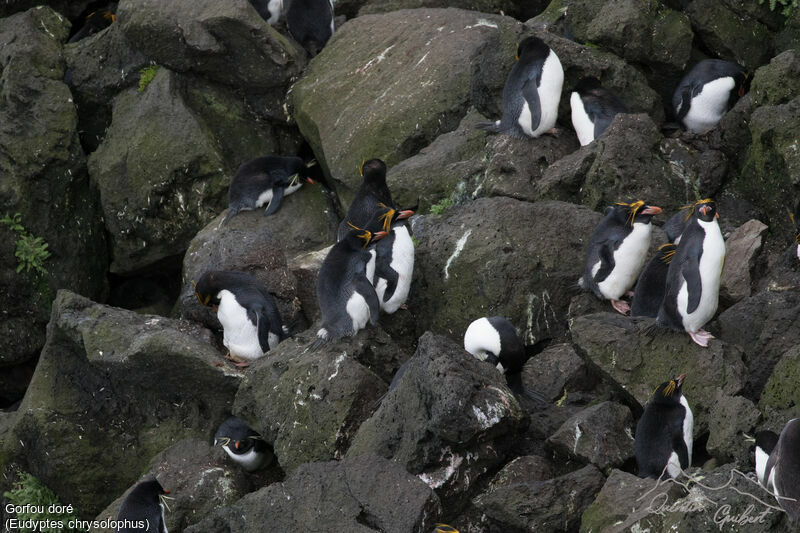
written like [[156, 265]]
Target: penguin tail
[[379, 401], [493, 127], [514, 382], [232, 212], [323, 338]]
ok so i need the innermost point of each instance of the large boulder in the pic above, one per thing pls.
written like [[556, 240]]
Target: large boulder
[[227, 42], [112, 389], [200, 479], [781, 396], [360, 495], [309, 404], [741, 250], [499, 256], [44, 179], [387, 85], [731, 418], [777, 82], [483, 6], [640, 361], [163, 168], [449, 419]]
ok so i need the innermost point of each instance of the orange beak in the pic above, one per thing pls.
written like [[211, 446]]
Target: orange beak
[[680, 379], [405, 214], [379, 235], [652, 210]]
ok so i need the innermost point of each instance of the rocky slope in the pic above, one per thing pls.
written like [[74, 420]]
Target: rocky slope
[[117, 150]]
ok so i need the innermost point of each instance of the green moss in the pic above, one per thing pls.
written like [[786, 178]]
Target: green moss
[[146, 75], [42, 505], [441, 207], [31, 252], [415, 241]]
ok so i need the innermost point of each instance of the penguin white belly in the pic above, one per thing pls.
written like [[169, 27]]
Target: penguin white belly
[[275, 8], [402, 263], [266, 196], [708, 107], [163, 520], [710, 272], [688, 428], [761, 465], [482, 338], [370, 268], [629, 260], [240, 335], [549, 93], [332, 28], [584, 127], [358, 310], [249, 461]]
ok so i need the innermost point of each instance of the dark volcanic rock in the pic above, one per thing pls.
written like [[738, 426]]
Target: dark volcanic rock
[[163, 168], [227, 42], [483, 6], [701, 169], [601, 434], [499, 256], [638, 362], [553, 505], [741, 250], [44, 179], [777, 82], [623, 162], [765, 325], [199, 479], [449, 419], [730, 418], [387, 85], [556, 372], [112, 389], [360, 495], [309, 405], [781, 394]]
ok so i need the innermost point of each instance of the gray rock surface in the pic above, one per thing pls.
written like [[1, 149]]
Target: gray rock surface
[[741, 251]]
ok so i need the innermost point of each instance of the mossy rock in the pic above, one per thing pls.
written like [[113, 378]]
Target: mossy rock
[[778, 82], [781, 392], [483, 6]]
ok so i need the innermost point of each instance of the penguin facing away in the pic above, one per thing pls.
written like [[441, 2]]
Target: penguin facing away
[[693, 278], [144, 505], [249, 316], [706, 93], [243, 444], [765, 443], [617, 251], [531, 93], [393, 259], [652, 283], [593, 109], [663, 440], [310, 23], [783, 469], [266, 180], [347, 300]]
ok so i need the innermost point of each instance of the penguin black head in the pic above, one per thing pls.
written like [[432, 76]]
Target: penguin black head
[[705, 210], [532, 48], [358, 239], [236, 435], [386, 217], [587, 84], [670, 391], [373, 171], [148, 491], [207, 289], [634, 212]]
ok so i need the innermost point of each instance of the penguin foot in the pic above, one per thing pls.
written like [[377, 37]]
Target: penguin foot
[[404, 307], [553, 131], [629, 294], [241, 365], [621, 306], [701, 337]]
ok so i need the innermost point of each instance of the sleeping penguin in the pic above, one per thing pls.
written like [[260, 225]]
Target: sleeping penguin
[[765, 442], [593, 109], [706, 93], [494, 340], [347, 299], [617, 251], [393, 258], [652, 283], [531, 93], [144, 505], [783, 470], [249, 316], [663, 440], [310, 23], [243, 444], [692, 289], [266, 180]]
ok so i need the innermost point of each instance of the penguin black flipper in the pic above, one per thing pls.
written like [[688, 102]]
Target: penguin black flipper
[[275, 202], [684, 105], [690, 270], [367, 291], [530, 92], [606, 253], [383, 266], [679, 445]]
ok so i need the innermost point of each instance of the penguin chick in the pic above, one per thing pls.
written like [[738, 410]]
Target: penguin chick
[[765, 443], [144, 505], [372, 197], [347, 300], [783, 469], [249, 316], [310, 23], [393, 258], [617, 251], [266, 180], [243, 444], [531, 93], [652, 283], [593, 109], [664, 433], [693, 278], [494, 340], [706, 93], [94, 23]]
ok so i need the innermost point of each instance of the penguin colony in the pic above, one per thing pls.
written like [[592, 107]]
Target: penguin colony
[[370, 267]]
